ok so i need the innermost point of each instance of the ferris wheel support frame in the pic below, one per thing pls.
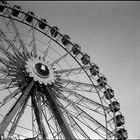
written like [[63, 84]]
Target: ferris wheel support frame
[[58, 114], [5, 122]]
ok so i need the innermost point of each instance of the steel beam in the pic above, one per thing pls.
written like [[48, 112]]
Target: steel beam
[[17, 118], [77, 84], [67, 72], [11, 44], [57, 60], [33, 41], [10, 115], [38, 117], [58, 113], [17, 33]]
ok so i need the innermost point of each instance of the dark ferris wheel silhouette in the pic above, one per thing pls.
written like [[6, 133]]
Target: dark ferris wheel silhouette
[[49, 88]]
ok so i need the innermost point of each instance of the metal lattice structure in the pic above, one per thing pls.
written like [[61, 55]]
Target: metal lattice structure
[[49, 88]]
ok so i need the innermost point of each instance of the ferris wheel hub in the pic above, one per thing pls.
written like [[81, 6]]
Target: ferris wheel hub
[[40, 70]]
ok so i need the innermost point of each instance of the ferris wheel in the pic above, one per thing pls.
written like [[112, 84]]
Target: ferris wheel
[[49, 88]]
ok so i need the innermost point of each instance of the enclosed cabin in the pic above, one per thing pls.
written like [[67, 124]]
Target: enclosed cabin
[[119, 120], [109, 93], [85, 59], [54, 31], [114, 106], [2, 7], [76, 49], [94, 70], [42, 23], [29, 16], [65, 40], [122, 134], [102, 81], [16, 10]]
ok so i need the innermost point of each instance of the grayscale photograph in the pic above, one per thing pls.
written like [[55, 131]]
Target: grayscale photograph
[[69, 70]]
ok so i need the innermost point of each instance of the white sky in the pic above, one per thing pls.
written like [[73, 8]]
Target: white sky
[[109, 33]]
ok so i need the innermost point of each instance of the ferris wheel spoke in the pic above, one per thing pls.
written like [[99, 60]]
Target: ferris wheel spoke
[[10, 81], [11, 57], [45, 53], [11, 95], [73, 103], [34, 50], [79, 98], [77, 115], [80, 112], [75, 84], [7, 53], [9, 63], [78, 128], [11, 45], [58, 114], [54, 130], [67, 72], [67, 89], [49, 125], [17, 33], [5, 62], [6, 81], [18, 116], [57, 60], [4, 49], [4, 70], [74, 125], [87, 126], [37, 112], [8, 71], [8, 85], [9, 116]]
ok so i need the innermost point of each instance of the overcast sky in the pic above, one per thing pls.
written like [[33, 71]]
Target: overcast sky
[[110, 33]]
